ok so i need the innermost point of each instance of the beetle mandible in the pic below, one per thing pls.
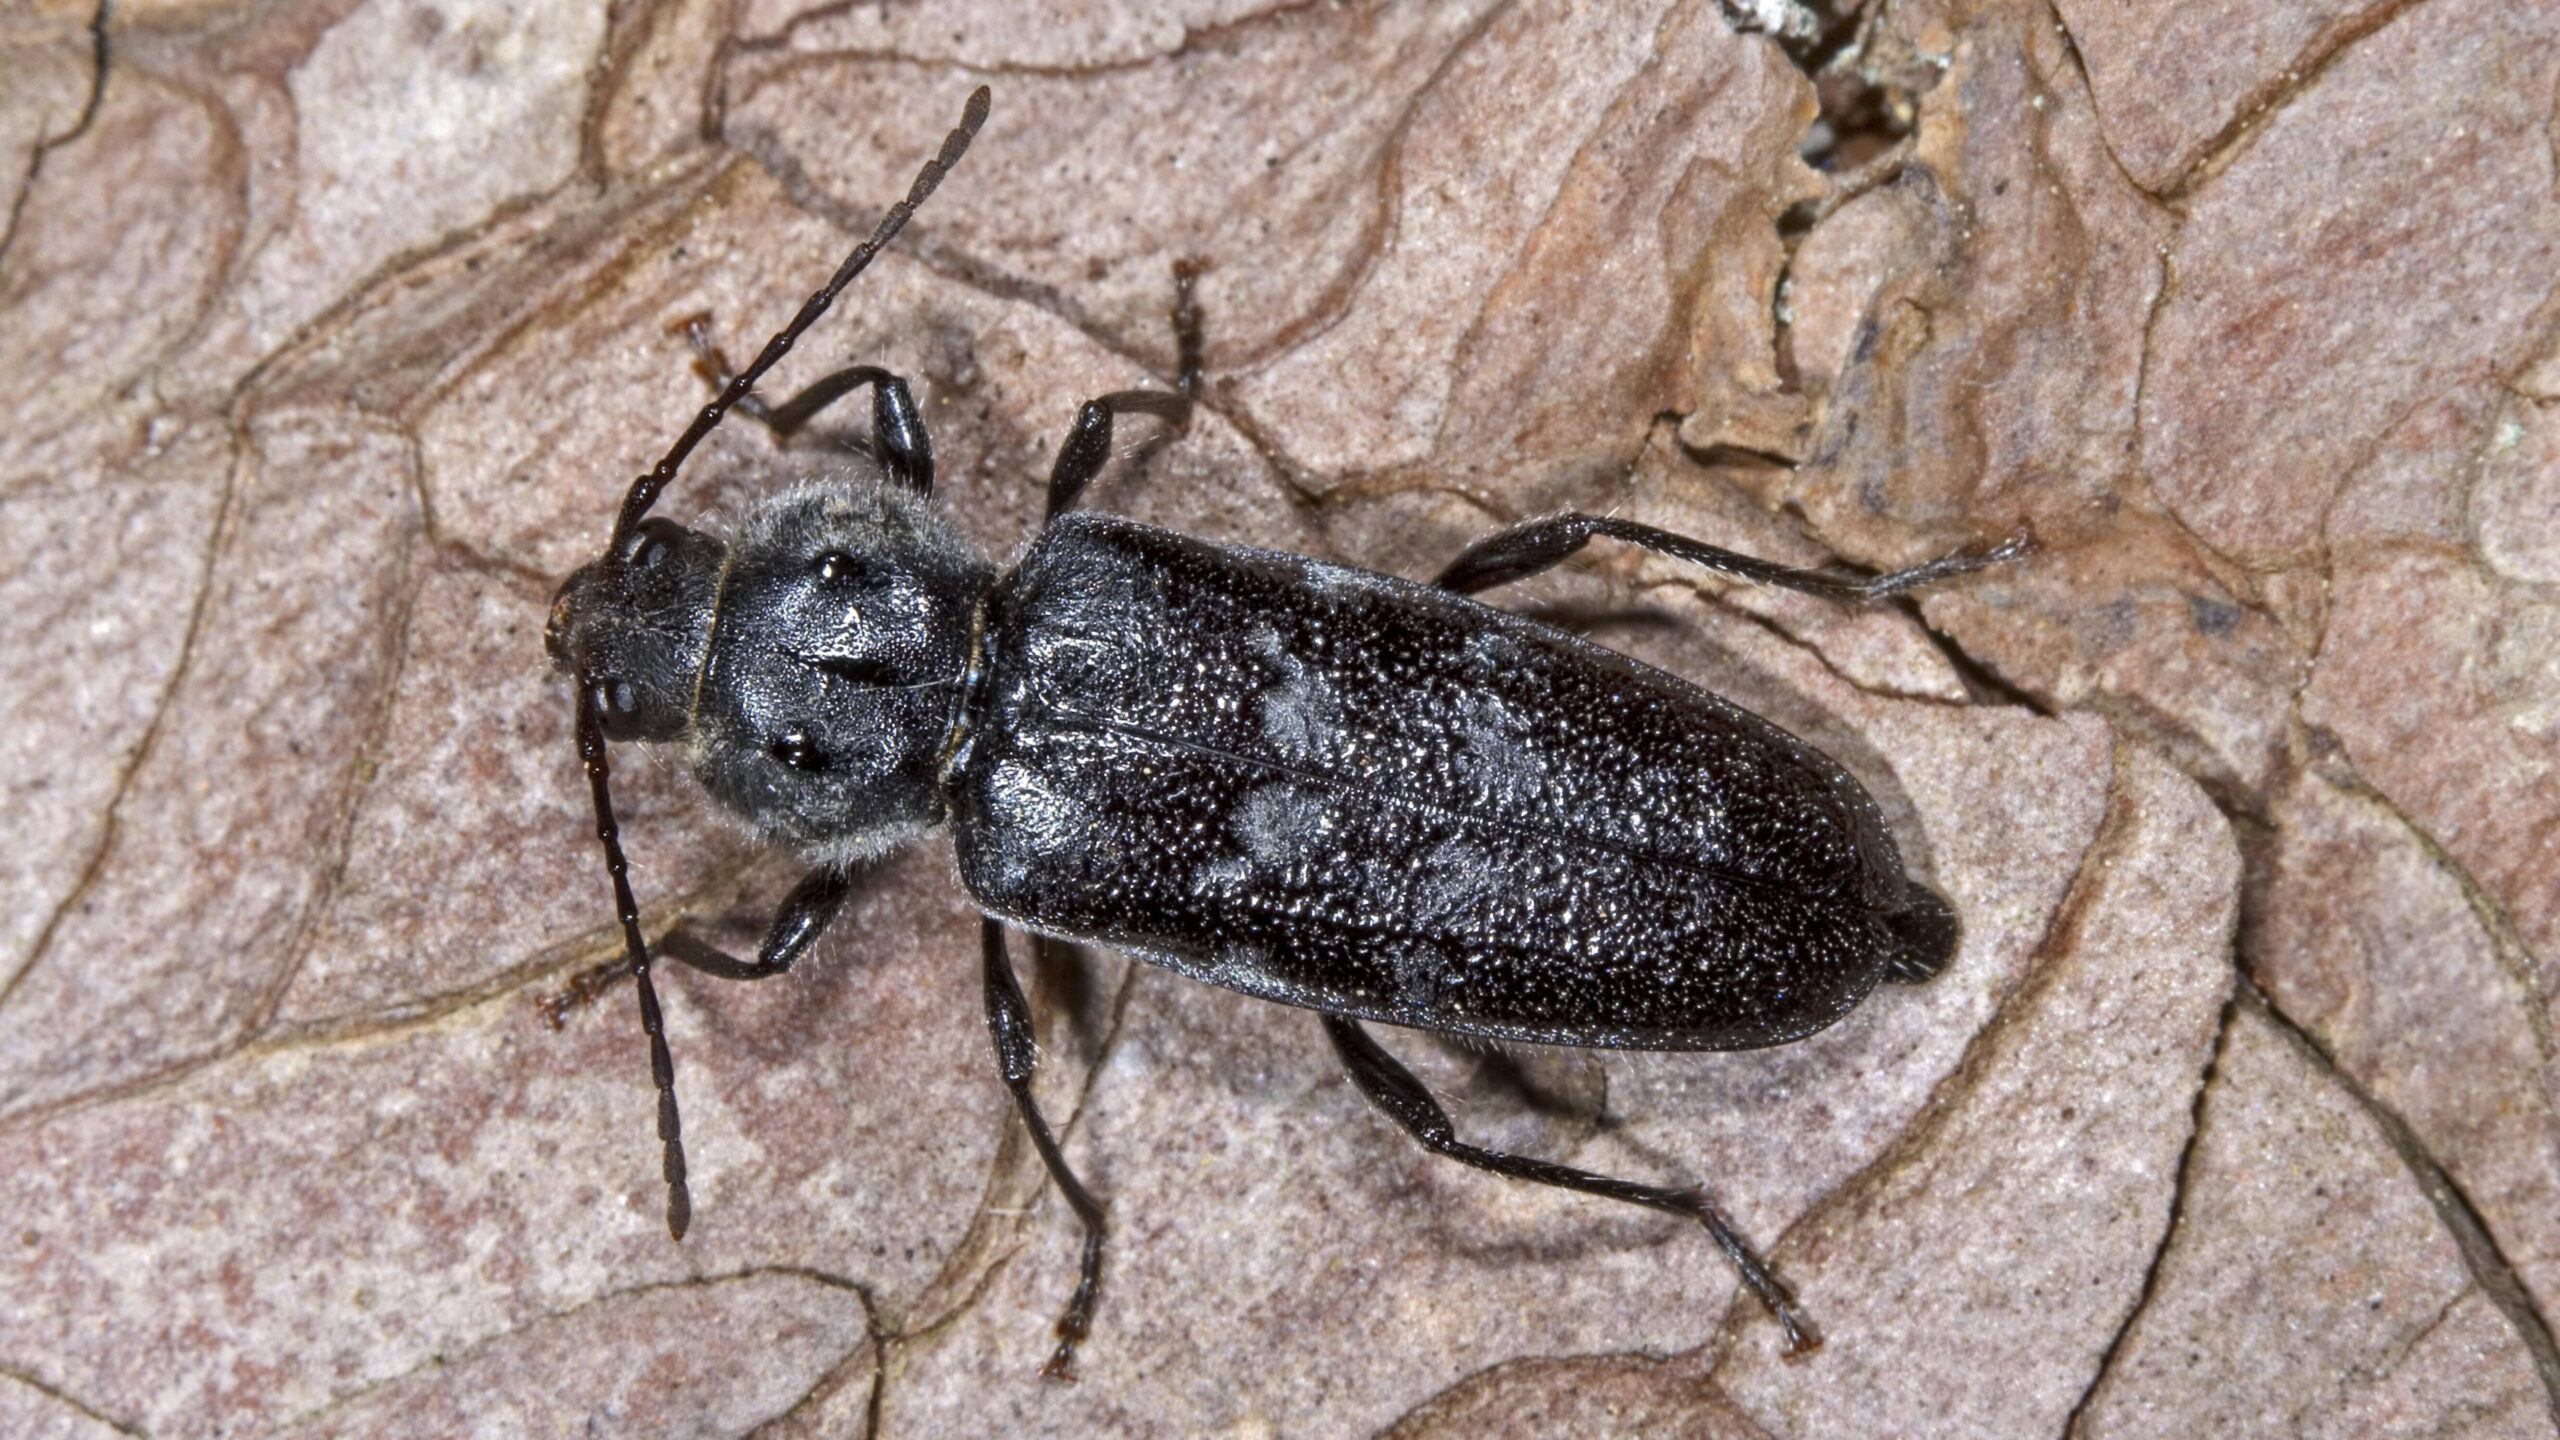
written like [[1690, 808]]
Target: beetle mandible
[[1378, 800]]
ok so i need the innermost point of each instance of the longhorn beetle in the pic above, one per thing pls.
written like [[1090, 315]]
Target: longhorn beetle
[[1378, 800]]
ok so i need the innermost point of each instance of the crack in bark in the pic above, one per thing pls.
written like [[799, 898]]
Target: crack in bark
[[1332, 303], [2079, 61], [610, 80], [223, 513], [2148, 350], [218, 537], [2516, 959], [2259, 108], [1982, 683], [831, 1382], [1715, 597], [782, 41], [2354, 469], [386, 1021], [67, 1400], [1597, 132], [2490, 1270], [462, 554], [2221, 567], [329, 859], [44, 147], [493, 1340], [2169, 1230]]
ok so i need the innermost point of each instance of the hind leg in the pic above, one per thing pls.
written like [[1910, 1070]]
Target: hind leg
[[1524, 549], [1018, 1058], [1394, 1089]]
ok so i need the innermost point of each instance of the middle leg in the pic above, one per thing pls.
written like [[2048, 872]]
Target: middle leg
[[1018, 1057], [1087, 447]]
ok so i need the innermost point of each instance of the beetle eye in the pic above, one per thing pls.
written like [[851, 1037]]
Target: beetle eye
[[833, 566], [796, 750]]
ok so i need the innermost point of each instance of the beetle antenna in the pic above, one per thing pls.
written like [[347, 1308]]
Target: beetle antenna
[[645, 490], [635, 949]]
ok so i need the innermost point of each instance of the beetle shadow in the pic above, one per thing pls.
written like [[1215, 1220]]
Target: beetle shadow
[[1075, 994], [1587, 620], [1558, 1094]]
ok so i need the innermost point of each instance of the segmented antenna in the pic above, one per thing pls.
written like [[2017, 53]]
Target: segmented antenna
[[662, 1061], [644, 493]]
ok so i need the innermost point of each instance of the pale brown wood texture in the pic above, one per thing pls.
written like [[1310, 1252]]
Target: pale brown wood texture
[[332, 332]]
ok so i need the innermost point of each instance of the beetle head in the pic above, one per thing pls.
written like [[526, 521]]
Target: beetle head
[[638, 625]]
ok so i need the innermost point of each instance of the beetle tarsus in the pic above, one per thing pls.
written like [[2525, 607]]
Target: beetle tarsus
[[1774, 1294], [583, 990]]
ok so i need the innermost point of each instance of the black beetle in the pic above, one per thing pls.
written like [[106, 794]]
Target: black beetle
[[1335, 789]]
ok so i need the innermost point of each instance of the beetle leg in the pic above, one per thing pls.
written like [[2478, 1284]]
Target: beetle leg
[[1017, 1056], [1393, 1089], [1088, 444], [804, 915], [897, 427], [1534, 545]]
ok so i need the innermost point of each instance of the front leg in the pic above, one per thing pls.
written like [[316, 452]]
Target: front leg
[[1018, 1057], [804, 916], [898, 436]]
